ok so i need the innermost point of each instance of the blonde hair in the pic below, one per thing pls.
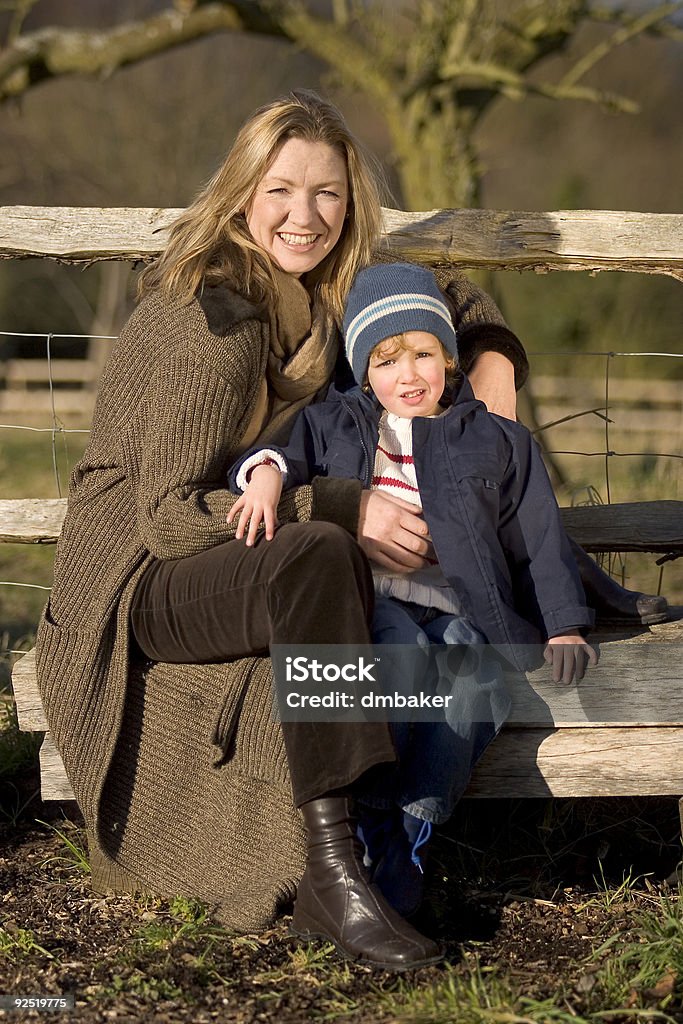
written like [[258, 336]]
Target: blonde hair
[[211, 242]]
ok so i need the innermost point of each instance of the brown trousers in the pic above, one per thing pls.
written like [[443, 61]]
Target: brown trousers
[[310, 584]]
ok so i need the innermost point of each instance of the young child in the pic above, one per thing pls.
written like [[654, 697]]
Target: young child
[[503, 572]]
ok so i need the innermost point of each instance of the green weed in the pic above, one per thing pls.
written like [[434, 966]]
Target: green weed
[[474, 995], [149, 989], [75, 856], [610, 895], [16, 943]]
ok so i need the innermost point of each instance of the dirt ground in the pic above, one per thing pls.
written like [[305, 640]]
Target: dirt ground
[[514, 888]]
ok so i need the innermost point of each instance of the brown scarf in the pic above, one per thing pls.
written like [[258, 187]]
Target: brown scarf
[[302, 354]]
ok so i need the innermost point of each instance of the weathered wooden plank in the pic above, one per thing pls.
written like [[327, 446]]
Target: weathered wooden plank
[[637, 682], [494, 239], [607, 761], [532, 763], [54, 784], [627, 526], [31, 520], [626, 688], [589, 388], [30, 714], [581, 762]]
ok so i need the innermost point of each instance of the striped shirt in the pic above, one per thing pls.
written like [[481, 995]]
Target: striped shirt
[[394, 472]]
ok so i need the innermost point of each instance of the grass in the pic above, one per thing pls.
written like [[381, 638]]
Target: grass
[[626, 969], [75, 856], [647, 964], [17, 943]]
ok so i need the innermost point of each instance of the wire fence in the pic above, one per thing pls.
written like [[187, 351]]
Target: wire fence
[[44, 377]]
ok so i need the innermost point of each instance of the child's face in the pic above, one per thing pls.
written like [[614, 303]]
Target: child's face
[[408, 374]]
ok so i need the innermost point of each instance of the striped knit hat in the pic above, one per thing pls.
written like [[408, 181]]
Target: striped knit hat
[[388, 299]]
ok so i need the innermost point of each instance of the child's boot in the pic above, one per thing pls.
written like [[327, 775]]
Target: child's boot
[[399, 873]]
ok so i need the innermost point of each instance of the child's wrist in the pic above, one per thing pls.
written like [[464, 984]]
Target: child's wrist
[[264, 462]]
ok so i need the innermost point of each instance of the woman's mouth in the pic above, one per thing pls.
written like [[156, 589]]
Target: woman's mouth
[[299, 241]]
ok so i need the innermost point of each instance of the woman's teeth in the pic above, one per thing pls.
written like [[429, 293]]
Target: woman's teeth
[[298, 239]]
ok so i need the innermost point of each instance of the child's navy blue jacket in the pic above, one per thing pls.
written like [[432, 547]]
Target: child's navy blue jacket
[[486, 498]]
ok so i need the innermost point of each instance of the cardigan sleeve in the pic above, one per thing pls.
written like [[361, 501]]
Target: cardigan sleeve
[[479, 323], [195, 416]]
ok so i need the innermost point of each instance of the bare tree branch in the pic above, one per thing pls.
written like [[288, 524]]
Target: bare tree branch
[[666, 29], [635, 27], [350, 58], [52, 52], [515, 86]]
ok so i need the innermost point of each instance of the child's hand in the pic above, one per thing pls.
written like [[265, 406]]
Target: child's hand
[[258, 503], [569, 655]]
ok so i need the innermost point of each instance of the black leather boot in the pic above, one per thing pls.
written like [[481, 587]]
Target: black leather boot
[[337, 902], [612, 603]]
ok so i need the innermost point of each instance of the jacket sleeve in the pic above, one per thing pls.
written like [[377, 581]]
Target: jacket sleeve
[[194, 414], [547, 585], [299, 455]]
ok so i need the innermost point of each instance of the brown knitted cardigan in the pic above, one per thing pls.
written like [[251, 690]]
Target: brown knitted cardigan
[[179, 770]]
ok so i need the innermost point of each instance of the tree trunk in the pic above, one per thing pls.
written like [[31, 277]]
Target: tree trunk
[[436, 158]]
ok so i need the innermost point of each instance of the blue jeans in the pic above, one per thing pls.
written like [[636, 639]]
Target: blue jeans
[[436, 759]]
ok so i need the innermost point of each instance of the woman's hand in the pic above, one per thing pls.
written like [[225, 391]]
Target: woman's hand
[[258, 504], [393, 533], [569, 655], [492, 377]]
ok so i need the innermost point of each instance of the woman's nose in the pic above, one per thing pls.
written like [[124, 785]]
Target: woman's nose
[[302, 210]]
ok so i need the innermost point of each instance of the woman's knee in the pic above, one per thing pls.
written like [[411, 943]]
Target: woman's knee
[[326, 549], [324, 560]]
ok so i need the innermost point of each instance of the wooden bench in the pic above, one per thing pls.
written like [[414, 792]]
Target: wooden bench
[[620, 733]]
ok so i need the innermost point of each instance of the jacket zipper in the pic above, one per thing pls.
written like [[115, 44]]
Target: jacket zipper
[[367, 471]]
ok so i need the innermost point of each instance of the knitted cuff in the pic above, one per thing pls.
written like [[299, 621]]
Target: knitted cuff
[[264, 455], [337, 501], [472, 341]]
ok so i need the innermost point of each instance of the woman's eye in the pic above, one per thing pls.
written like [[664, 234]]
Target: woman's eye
[[276, 191], [326, 192]]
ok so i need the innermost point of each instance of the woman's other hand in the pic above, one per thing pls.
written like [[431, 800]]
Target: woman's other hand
[[492, 377], [393, 533], [569, 655], [258, 504]]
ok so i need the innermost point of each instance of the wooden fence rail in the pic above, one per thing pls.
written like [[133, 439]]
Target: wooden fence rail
[[590, 240]]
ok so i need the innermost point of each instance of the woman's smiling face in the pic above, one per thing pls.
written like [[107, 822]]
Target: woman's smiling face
[[298, 208]]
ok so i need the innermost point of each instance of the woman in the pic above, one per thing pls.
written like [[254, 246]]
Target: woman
[[152, 651]]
